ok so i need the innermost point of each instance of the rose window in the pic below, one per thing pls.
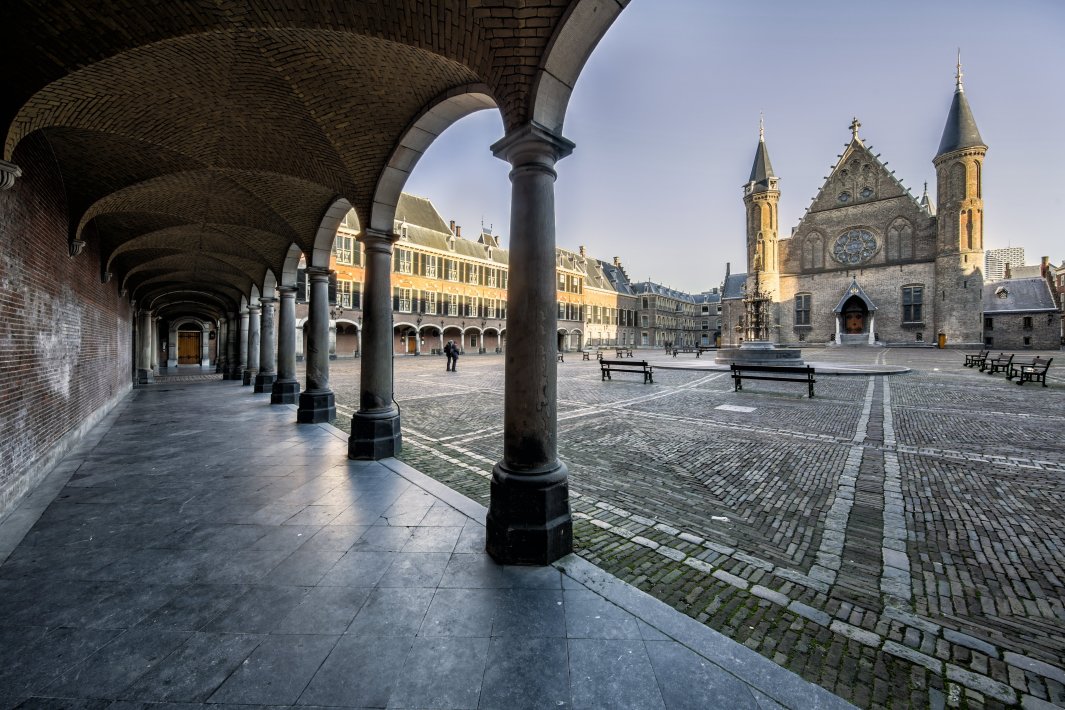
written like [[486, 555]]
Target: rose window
[[854, 246]]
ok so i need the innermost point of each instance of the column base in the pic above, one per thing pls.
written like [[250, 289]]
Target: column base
[[264, 383], [248, 377], [374, 438], [285, 392], [316, 407], [220, 369], [145, 377], [529, 521]]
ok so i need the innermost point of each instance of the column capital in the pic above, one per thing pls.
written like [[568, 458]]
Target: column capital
[[267, 299], [376, 241], [287, 291], [532, 143], [254, 308], [318, 273], [9, 172]]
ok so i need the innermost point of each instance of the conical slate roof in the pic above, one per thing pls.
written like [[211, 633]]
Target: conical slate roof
[[960, 131], [762, 169]]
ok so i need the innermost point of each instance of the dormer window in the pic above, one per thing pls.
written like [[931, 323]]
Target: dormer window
[[1002, 292]]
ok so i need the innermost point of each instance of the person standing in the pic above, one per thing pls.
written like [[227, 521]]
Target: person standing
[[449, 351], [455, 350]]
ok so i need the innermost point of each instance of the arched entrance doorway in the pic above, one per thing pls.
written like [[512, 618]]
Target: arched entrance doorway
[[855, 316], [190, 344]]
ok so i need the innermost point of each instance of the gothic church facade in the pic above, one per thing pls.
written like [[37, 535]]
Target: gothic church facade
[[870, 263]]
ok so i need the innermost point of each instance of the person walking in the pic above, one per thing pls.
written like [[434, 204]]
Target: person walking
[[449, 351], [455, 350]]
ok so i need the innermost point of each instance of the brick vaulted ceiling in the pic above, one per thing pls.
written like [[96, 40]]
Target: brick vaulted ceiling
[[198, 139]]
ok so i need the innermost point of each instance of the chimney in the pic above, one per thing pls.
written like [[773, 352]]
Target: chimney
[[1043, 266], [617, 261], [1007, 274], [452, 226], [458, 231], [583, 253]]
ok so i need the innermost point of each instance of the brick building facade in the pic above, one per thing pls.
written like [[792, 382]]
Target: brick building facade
[[869, 262]]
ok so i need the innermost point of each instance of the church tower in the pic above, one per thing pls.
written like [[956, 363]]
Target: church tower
[[958, 292], [761, 197]]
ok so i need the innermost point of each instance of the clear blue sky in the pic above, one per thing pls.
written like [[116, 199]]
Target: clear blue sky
[[665, 118]]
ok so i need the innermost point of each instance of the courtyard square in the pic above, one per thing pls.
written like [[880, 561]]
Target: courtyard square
[[896, 539]]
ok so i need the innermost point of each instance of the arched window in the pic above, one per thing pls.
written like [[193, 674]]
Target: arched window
[[957, 182], [900, 240]]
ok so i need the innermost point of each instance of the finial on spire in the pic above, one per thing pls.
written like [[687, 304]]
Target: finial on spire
[[926, 188], [855, 125], [958, 75], [761, 126]]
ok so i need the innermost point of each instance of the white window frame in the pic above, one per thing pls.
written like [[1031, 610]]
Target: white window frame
[[430, 266], [452, 304], [405, 303], [406, 261], [430, 303], [344, 289]]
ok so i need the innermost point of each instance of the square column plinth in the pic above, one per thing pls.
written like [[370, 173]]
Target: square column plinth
[[285, 392], [529, 521], [264, 383], [316, 407], [374, 438]]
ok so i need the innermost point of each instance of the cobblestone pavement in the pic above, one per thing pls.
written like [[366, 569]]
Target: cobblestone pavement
[[897, 539]]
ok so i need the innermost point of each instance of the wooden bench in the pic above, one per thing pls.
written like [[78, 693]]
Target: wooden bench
[[705, 349], [560, 358], [1034, 371], [641, 366], [624, 352], [777, 373], [586, 355], [977, 360], [685, 350], [997, 364]]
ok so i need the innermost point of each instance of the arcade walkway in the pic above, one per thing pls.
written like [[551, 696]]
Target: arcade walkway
[[208, 550]]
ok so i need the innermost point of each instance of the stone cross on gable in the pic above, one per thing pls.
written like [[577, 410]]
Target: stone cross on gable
[[855, 125]]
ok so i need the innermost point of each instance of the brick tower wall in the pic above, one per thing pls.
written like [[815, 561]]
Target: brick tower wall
[[65, 337]]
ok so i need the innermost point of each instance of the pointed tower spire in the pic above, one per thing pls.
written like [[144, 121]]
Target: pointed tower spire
[[926, 202], [762, 176], [960, 131]]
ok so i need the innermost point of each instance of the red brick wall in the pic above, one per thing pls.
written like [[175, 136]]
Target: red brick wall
[[65, 338]]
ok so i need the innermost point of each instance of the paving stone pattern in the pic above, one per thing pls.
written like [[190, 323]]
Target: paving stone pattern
[[202, 550], [897, 539]]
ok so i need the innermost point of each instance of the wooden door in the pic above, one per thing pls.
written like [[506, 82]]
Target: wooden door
[[189, 347]]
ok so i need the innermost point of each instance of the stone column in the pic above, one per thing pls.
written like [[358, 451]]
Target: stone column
[[242, 343], [375, 429], [332, 340], [872, 329], [254, 332], [286, 388], [172, 347], [220, 346], [155, 345], [145, 375], [529, 518], [232, 348], [264, 379], [316, 401], [839, 317]]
